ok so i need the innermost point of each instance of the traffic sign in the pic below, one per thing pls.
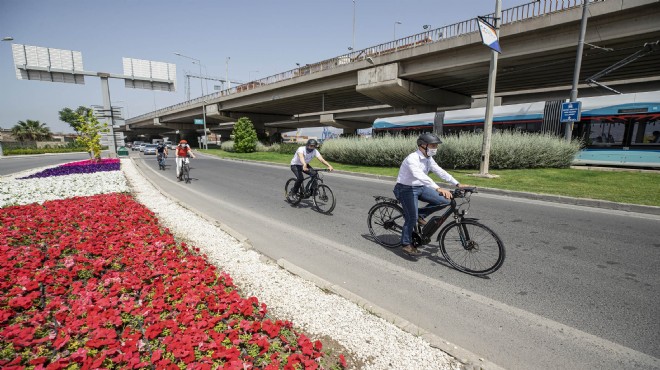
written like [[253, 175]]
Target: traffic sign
[[199, 121], [571, 111]]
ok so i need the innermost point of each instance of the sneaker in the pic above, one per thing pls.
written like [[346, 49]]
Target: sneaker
[[421, 221], [411, 251]]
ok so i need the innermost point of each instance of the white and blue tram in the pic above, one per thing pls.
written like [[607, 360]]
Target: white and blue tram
[[618, 130]]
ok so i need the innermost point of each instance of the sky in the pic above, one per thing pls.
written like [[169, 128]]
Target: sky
[[260, 37]]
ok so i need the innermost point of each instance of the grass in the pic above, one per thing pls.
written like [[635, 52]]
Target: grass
[[617, 186]]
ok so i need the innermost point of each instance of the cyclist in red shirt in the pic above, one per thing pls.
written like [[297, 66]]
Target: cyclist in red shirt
[[182, 151]]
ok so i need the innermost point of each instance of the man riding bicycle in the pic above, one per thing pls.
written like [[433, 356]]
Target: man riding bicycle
[[413, 184], [161, 153], [182, 151], [300, 163]]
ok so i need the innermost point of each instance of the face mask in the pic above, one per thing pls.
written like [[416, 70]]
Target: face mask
[[431, 152], [309, 150]]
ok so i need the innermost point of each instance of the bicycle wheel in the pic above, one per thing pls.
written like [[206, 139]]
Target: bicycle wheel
[[386, 224], [293, 199], [324, 199], [471, 247], [185, 173]]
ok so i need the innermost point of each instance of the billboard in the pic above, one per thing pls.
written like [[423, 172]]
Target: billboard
[[48, 64], [147, 74]]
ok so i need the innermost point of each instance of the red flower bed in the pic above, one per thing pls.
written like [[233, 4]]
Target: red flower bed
[[88, 283]]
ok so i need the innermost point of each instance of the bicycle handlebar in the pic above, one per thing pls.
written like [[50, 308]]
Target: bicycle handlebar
[[462, 192]]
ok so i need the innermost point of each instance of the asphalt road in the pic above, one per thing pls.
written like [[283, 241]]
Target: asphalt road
[[579, 287], [12, 164]]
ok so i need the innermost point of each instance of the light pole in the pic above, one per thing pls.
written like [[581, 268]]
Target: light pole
[[353, 46], [201, 85], [8, 38], [568, 129], [395, 23], [227, 72]]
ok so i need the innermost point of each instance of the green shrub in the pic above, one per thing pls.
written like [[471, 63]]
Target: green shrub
[[509, 150], [267, 148], [227, 146], [289, 148], [245, 136]]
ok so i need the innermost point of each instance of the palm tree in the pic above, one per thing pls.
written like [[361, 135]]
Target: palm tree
[[30, 130]]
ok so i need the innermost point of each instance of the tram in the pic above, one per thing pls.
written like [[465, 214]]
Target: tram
[[617, 130]]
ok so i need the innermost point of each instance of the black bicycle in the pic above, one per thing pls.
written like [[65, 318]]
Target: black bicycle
[[161, 161], [185, 170], [312, 186], [465, 243]]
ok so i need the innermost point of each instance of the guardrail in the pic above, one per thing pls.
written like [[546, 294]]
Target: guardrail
[[518, 13]]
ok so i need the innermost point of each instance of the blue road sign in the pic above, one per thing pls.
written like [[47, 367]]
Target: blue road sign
[[571, 111], [199, 121]]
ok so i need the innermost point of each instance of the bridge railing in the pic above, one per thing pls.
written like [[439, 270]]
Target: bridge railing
[[518, 13]]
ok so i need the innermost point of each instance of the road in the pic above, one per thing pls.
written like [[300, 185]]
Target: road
[[12, 164], [579, 286]]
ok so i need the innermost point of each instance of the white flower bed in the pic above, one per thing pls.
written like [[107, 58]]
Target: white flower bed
[[38, 190]]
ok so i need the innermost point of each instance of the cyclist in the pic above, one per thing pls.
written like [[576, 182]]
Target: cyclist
[[182, 151], [161, 153], [413, 184], [300, 163]]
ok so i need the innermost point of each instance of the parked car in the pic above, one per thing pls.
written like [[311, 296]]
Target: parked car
[[150, 149], [136, 145], [141, 148]]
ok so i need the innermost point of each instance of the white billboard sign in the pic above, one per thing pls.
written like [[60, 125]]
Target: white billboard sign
[[147, 74], [48, 64]]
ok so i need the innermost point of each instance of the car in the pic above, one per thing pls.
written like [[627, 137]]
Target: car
[[150, 149], [136, 145], [141, 147]]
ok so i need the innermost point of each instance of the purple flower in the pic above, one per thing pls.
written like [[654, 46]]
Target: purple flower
[[77, 167]]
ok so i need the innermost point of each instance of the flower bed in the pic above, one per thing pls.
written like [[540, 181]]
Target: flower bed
[[72, 168], [84, 282]]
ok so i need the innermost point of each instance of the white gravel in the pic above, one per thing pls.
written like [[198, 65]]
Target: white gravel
[[377, 343]]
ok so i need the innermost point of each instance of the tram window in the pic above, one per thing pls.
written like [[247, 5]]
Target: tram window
[[646, 133]]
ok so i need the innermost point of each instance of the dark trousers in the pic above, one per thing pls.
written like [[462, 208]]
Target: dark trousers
[[409, 196], [298, 171]]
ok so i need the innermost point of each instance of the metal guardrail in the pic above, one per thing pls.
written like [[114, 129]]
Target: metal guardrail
[[518, 13]]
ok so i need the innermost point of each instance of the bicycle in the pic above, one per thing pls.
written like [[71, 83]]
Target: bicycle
[[466, 244], [185, 170], [161, 161], [324, 199]]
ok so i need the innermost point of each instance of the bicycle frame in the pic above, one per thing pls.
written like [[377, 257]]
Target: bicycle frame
[[311, 182]]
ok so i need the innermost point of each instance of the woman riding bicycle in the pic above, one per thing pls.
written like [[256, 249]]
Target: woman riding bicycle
[[300, 163], [182, 151], [413, 184]]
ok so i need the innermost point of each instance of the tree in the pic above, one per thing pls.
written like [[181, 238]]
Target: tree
[[71, 117], [245, 136], [30, 130], [89, 131]]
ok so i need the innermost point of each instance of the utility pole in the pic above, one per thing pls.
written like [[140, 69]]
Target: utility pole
[[568, 132]]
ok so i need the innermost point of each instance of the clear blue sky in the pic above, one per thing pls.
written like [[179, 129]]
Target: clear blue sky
[[262, 38]]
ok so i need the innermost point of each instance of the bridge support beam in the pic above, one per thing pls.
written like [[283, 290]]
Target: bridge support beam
[[329, 120], [382, 83]]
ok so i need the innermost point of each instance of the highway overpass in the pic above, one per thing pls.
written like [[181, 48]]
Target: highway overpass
[[442, 69]]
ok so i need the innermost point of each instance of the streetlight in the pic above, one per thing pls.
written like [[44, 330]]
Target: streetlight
[[395, 23], [227, 72], [8, 38], [353, 46], [426, 26], [201, 85]]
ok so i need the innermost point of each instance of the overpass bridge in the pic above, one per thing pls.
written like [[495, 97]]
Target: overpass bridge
[[441, 69]]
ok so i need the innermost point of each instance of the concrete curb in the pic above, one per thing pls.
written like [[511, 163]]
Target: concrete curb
[[585, 202], [469, 360]]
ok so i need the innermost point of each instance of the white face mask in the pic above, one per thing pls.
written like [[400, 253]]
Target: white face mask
[[431, 152]]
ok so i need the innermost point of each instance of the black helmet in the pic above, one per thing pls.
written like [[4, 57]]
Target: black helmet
[[428, 138], [312, 142]]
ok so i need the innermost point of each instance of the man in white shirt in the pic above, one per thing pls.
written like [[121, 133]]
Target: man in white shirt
[[300, 163], [413, 184]]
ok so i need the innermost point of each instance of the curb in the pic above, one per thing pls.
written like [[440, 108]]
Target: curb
[[585, 202], [469, 360]]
